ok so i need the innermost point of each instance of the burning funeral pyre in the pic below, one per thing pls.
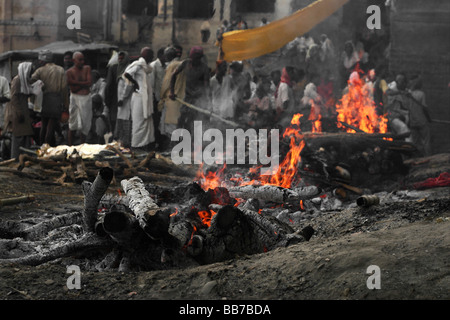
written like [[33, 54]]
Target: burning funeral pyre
[[207, 215]]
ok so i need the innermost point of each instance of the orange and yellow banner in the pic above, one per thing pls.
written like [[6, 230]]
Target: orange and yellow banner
[[253, 43]]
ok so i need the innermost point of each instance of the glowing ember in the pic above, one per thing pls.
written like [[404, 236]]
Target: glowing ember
[[192, 237], [175, 213], [357, 108], [206, 217]]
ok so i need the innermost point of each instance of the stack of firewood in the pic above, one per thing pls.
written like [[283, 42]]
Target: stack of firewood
[[71, 167]]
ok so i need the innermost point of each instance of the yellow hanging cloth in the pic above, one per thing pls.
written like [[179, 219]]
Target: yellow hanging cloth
[[253, 43]]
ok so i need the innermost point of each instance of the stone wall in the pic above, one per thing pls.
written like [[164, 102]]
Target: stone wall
[[420, 45]]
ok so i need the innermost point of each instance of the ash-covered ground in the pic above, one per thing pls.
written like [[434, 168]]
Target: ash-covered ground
[[406, 236]]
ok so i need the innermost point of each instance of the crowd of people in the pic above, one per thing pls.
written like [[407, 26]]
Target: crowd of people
[[139, 101]]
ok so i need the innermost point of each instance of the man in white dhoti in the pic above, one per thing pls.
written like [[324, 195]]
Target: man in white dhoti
[[138, 73], [80, 108]]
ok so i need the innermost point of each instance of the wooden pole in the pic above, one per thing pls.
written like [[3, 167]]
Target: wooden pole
[[231, 123], [10, 201]]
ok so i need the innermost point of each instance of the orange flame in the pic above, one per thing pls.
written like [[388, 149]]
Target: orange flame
[[315, 117], [287, 170], [211, 180], [283, 177], [358, 109]]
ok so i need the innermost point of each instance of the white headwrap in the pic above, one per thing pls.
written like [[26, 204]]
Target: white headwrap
[[24, 72]]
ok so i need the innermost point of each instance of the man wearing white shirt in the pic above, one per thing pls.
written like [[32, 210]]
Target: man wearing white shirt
[[142, 109], [156, 78]]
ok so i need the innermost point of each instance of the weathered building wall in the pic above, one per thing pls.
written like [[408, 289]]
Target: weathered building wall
[[420, 45], [27, 23]]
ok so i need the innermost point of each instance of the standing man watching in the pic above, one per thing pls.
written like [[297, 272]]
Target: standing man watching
[[55, 96], [138, 74], [5, 95], [156, 77], [80, 108], [197, 77]]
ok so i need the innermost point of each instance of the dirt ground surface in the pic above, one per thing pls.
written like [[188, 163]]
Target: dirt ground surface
[[408, 240]]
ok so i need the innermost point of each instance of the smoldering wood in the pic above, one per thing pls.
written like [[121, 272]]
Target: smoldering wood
[[153, 221], [87, 242], [228, 237], [111, 261], [348, 159], [265, 192], [181, 193], [123, 228], [182, 231], [345, 124], [143, 236], [355, 142], [152, 177], [273, 193], [93, 193], [112, 199], [43, 228], [235, 231]]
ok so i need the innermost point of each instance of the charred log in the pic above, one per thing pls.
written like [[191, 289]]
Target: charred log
[[153, 220], [240, 232], [86, 242], [93, 193], [274, 193], [355, 142]]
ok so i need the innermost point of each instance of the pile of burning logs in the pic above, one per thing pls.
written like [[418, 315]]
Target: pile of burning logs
[[142, 231], [353, 160]]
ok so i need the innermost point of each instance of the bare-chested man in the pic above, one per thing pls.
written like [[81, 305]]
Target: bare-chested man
[[80, 109]]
